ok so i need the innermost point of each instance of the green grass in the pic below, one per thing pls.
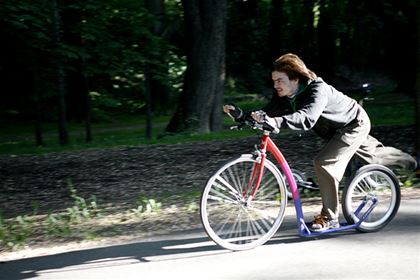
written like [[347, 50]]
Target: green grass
[[129, 131], [18, 138], [391, 109]]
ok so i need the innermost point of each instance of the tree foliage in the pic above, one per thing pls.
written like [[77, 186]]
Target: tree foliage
[[107, 43], [113, 51]]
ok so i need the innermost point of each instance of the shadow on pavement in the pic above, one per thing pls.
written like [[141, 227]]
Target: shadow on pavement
[[183, 245], [179, 246]]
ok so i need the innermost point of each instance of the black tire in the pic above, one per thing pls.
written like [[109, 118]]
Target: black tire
[[372, 181]]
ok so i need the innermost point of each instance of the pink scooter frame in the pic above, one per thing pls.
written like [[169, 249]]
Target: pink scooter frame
[[267, 145]]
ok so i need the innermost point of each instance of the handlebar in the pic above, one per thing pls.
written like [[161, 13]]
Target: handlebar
[[250, 122]]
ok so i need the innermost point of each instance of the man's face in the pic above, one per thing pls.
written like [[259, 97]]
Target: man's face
[[282, 84]]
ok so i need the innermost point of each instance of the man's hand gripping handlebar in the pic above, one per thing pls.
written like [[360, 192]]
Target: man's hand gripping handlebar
[[256, 120]]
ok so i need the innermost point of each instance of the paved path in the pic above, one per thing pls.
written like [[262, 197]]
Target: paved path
[[393, 253]]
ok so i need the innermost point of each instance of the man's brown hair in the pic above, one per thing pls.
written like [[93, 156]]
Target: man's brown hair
[[294, 68]]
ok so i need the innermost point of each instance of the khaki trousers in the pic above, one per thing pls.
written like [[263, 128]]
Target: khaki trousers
[[331, 162]]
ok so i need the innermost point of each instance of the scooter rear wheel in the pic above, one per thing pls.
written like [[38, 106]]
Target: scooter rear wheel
[[372, 181]]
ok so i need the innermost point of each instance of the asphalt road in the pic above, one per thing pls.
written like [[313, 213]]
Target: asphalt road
[[393, 253]]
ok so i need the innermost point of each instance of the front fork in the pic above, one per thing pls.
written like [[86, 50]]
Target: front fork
[[257, 174]]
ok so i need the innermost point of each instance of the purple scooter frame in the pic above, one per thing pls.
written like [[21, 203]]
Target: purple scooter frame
[[268, 145]]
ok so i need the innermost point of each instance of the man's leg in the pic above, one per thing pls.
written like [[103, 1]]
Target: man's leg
[[373, 151], [333, 159]]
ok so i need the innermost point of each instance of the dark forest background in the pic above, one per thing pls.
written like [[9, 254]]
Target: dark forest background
[[85, 61]]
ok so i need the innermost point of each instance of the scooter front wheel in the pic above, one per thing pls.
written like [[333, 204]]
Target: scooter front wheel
[[230, 216]]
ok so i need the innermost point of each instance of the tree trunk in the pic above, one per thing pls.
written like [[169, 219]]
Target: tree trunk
[[77, 77], [159, 92], [86, 89], [155, 92], [276, 28], [417, 88], [38, 109], [148, 93], [63, 135], [326, 41], [61, 89], [308, 49], [200, 105], [38, 121]]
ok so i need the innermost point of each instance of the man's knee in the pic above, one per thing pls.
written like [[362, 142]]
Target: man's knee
[[319, 162]]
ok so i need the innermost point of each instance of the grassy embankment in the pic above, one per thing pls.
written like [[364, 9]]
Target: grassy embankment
[[122, 131]]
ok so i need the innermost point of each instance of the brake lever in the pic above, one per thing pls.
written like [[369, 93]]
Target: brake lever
[[235, 127]]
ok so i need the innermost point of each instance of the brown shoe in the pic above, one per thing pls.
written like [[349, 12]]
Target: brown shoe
[[322, 222]]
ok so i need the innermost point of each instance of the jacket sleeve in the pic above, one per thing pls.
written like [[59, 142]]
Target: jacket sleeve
[[277, 107], [308, 112]]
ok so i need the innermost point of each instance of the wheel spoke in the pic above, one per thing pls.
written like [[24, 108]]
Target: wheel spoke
[[225, 222], [233, 191]]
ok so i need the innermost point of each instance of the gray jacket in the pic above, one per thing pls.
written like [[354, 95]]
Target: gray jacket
[[318, 106]]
